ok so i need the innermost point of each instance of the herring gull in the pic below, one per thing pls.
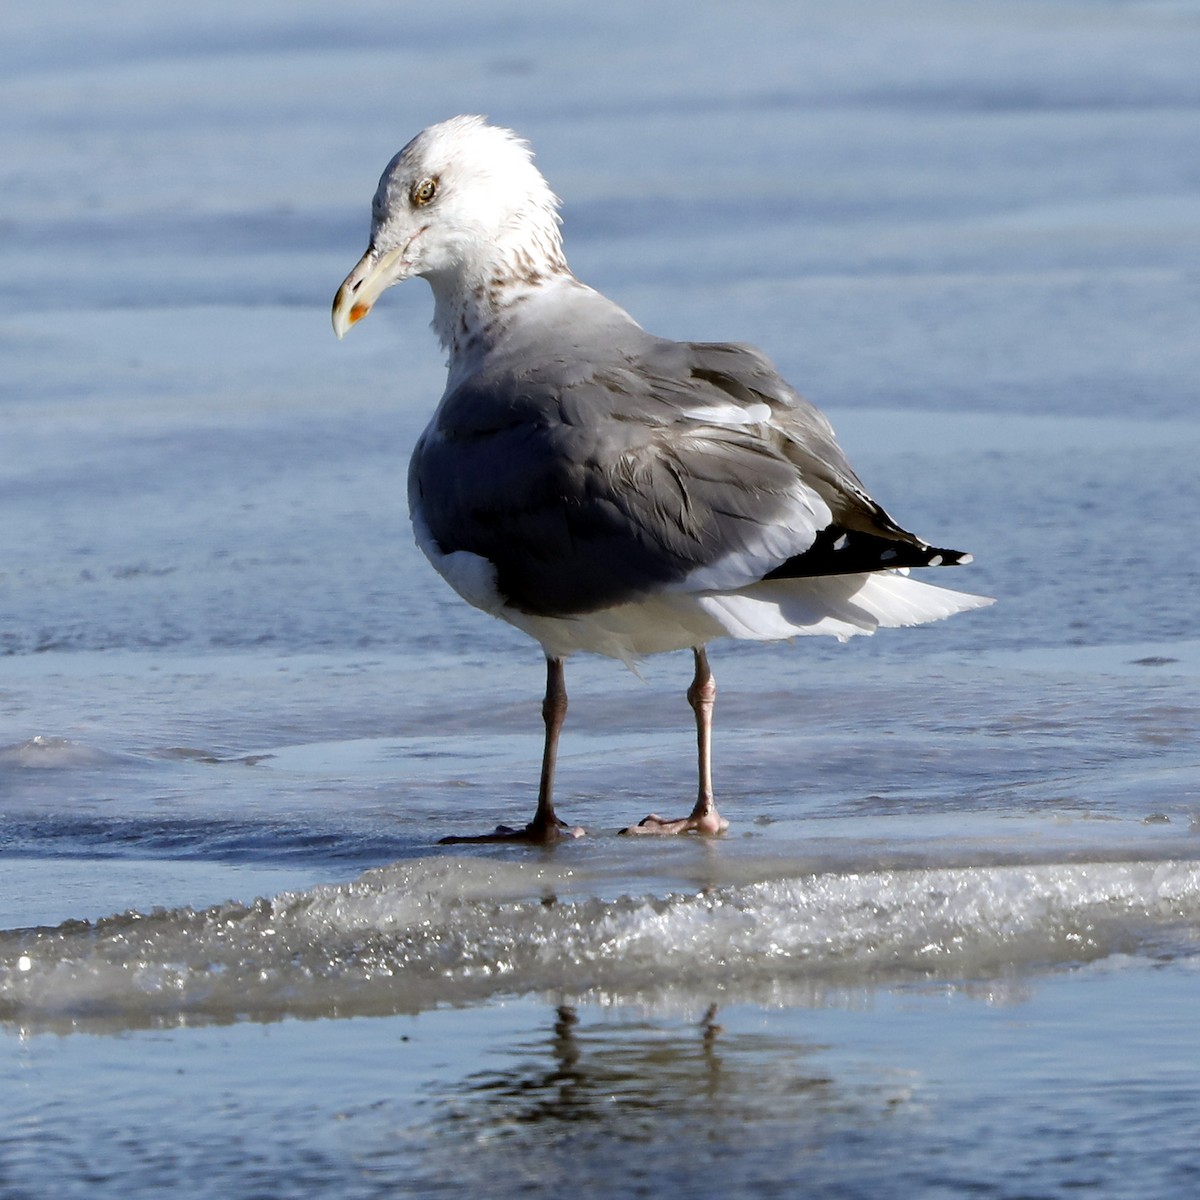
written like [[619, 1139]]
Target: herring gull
[[603, 489]]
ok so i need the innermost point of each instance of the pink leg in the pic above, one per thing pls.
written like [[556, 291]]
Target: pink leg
[[704, 817], [545, 826]]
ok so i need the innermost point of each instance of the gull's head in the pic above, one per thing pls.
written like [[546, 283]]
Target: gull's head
[[462, 205]]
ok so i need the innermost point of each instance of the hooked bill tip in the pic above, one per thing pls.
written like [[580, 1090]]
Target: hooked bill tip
[[345, 318]]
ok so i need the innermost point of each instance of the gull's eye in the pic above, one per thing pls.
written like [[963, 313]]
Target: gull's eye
[[424, 192]]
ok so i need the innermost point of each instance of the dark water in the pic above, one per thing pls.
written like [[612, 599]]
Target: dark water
[[950, 945]]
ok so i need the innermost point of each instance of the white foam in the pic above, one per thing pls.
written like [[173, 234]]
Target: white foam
[[444, 931]]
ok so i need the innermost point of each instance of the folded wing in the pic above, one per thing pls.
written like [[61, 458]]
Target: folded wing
[[675, 467]]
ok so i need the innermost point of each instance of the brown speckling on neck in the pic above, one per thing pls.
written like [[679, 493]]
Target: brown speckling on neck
[[470, 309]]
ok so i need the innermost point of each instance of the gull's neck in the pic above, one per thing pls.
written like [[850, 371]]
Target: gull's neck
[[475, 299], [472, 310]]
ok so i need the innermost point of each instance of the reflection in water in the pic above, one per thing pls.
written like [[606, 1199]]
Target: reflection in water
[[611, 1102], [616, 1102], [642, 1073]]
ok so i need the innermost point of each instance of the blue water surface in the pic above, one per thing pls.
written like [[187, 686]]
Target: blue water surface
[[949, 945]]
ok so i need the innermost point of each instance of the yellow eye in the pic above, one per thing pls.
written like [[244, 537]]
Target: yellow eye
[[424, 192]]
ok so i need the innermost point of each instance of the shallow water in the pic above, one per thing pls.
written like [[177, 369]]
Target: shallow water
[[950, 944], [924, 1090]]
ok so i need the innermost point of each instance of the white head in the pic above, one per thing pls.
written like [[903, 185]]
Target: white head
[[463, 206]]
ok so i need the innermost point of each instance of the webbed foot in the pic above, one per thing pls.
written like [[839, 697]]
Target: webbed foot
[[709, 823]]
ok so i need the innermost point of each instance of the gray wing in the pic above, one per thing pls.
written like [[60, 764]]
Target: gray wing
[[684, 466]]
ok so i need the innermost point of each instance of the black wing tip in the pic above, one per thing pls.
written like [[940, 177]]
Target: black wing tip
[[948, 558], [838, 551]]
